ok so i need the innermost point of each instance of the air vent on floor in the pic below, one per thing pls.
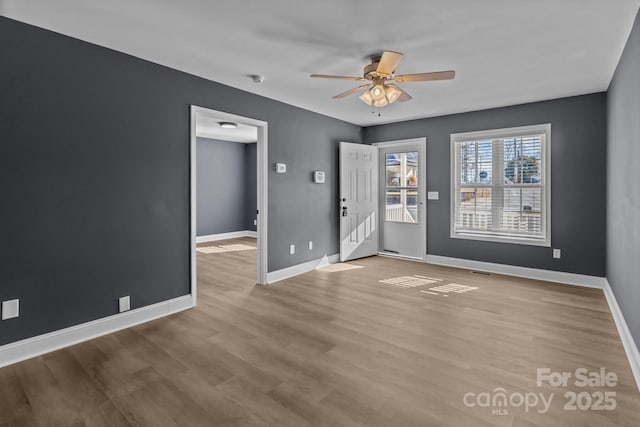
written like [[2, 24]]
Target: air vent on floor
[[483, 273]]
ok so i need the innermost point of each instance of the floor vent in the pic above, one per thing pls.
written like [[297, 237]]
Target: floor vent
[[482, 273]]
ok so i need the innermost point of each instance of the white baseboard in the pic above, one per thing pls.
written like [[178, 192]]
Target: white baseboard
[[295, 270], [629, 344], [225, 236], [526, 272], [41, 344]]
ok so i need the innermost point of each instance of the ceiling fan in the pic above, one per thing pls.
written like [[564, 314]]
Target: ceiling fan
[[378, 92]]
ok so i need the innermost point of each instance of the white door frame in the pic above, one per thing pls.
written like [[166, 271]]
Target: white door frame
[[422, 185], [262, 167]]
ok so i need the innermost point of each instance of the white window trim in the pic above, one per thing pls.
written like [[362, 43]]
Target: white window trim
[[546, 173]]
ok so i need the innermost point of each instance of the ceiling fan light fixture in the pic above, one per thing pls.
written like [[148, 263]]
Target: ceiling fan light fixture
[[381, 70], [380, 102], [380, 95], [393, 93], [366, 97], [378, 91], [228, 125]]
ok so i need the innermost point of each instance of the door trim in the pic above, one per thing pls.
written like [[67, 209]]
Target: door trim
[[422, 190], [262, 176]]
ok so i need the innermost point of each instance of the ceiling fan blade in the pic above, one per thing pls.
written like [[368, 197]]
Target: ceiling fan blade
[[404, 96], [328, 76], [424, 77], [389, 61], [350, 91]]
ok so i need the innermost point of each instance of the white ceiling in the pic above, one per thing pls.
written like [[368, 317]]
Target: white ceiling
[[207, 127], [505, 52]]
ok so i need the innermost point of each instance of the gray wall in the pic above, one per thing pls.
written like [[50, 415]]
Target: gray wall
[[623, 183], [251, 186], [95, 178], [223, 186], [578, 133]]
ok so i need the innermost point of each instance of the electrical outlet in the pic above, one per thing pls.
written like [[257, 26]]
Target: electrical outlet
[[255, 222], [292, 249], [556, 253], [10, 309], [124, 303], [310, 245]]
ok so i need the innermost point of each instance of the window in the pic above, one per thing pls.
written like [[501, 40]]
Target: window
[[501, 185], [401, 187]]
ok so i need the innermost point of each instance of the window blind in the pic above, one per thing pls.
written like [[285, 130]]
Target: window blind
[[500, 187]]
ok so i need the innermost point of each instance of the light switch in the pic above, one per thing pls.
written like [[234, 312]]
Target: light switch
[[281, 168], [556, 253], [433, 195], [10, 309]]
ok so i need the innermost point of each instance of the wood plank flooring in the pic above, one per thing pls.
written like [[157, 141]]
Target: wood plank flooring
[[336, 349]]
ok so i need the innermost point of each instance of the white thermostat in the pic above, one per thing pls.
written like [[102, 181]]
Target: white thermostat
[[318, 177], [281, 167]]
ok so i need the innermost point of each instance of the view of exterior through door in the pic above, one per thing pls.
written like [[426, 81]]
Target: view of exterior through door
[[358, 201], [402, 189]]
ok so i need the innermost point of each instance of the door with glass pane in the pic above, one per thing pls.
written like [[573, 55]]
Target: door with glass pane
[[402, 189]]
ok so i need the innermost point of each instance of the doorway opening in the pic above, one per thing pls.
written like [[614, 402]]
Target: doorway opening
[[228, 188]]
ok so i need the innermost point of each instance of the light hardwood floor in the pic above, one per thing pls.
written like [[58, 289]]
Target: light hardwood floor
[[334, 349]]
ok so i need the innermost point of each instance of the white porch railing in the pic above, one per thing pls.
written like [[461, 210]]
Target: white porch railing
[[398, 213], [510, 220]]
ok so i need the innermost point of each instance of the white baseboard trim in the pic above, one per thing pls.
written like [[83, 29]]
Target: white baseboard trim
[[224, 236], [305, 267], [41, 344], [526, 272], [629, 344]]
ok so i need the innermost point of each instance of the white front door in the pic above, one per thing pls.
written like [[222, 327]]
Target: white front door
[[402, 190], [358, 201]]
